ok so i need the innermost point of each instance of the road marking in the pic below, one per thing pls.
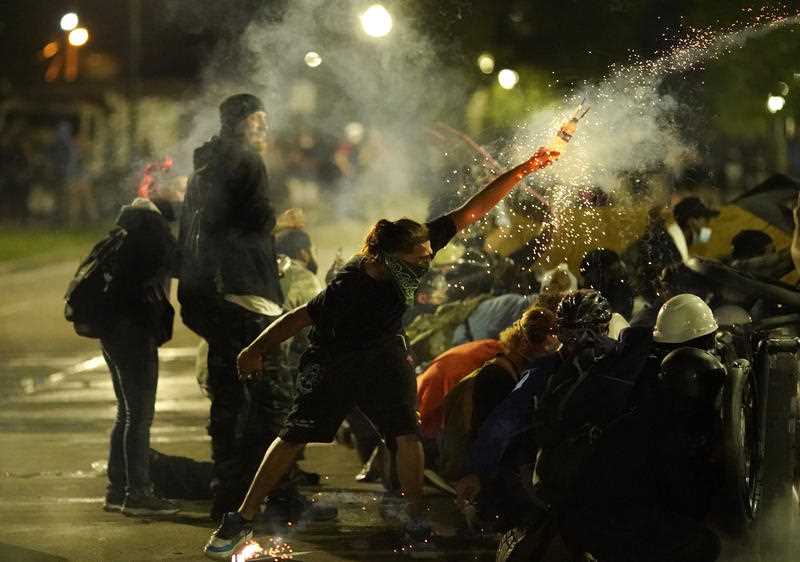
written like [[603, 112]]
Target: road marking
[[33, 384]]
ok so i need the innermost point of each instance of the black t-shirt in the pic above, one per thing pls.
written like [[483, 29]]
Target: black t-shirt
[[356, 311]]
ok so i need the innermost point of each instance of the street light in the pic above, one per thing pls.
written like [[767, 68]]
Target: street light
[[507, 78], [376, 21], [50, 50], [78, 36], [775, 103], [313, 59], [486, 63], [69, 21]]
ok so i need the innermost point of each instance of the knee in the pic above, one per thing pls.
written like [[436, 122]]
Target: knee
[[141, 413]]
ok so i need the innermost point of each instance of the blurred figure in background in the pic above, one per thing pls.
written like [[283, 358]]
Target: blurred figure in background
[[81, 203], [15, 172], [751, 244], [65, 167]]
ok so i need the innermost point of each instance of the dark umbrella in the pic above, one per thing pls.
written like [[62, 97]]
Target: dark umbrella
[[772, 201]]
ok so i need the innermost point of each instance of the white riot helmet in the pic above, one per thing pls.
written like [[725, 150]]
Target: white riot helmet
[[683, 318]]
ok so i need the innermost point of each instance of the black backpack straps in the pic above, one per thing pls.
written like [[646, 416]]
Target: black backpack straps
[[92, 296]]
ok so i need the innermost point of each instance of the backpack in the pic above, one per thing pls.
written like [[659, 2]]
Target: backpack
[[458, 432], [93, 293], [576, 410], [196, 286]]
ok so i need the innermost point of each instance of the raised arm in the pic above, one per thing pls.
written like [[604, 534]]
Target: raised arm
[[486, 199], [250, 360]]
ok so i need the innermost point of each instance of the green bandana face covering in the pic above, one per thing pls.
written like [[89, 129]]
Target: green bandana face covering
[[405, 277]]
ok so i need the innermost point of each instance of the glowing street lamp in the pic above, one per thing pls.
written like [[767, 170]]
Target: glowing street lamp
[[376, 21], [313, 59], [50, 50], [78, 36], [775, 103], [486, 63], [69, 21], [507, 78]]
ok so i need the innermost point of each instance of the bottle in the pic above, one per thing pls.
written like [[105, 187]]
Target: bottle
[[564, 134]]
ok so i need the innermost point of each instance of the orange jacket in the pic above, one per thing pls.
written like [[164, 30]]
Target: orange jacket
[[444, 372]]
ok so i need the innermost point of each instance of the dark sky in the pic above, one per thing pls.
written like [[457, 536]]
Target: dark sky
[[179, 36]]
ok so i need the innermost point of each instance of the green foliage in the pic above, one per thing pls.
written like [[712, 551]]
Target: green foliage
[[736, 87], [40, 243], [507, 108]]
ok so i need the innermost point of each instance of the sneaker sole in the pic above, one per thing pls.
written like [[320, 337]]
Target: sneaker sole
[[227, 553], [112, 508], [138, 512]]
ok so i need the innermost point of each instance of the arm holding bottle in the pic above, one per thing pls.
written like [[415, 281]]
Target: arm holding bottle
[[488, 197]]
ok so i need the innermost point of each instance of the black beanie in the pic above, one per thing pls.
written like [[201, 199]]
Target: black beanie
[[236, 108]]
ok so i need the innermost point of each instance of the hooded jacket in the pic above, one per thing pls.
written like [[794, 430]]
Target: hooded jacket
[[228, 197], [147, 260]]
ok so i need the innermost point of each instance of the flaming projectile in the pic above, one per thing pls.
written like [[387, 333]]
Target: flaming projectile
[[564, 134]]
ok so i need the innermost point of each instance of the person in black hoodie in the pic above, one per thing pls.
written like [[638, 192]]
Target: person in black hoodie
[[229, 292], [143, 321]]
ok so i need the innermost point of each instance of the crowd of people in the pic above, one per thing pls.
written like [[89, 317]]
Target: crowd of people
[[583, 407]]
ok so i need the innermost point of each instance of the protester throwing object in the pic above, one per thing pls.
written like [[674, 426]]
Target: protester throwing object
[[357, 357]]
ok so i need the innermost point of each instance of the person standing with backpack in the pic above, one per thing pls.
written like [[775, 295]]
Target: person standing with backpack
[[140, 323]]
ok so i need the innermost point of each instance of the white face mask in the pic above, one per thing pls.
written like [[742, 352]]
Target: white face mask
[[704, 235]]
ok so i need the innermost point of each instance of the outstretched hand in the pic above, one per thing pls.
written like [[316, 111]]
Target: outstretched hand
[[541, 158], [249, 363]]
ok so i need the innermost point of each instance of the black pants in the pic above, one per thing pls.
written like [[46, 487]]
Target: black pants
[[132, 356], [244, 417]]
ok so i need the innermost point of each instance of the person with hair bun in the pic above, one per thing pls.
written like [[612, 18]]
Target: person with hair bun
[[474, 398], [357, 356]]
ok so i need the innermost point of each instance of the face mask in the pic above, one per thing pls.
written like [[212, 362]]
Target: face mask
[[704, 235], [405, 277], [586, 345]]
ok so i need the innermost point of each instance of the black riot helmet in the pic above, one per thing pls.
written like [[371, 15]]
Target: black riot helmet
[[582, 321], [693, 374], [585, 308], [690, 392]]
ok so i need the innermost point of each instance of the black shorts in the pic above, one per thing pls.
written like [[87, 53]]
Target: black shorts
[[379, 381]]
